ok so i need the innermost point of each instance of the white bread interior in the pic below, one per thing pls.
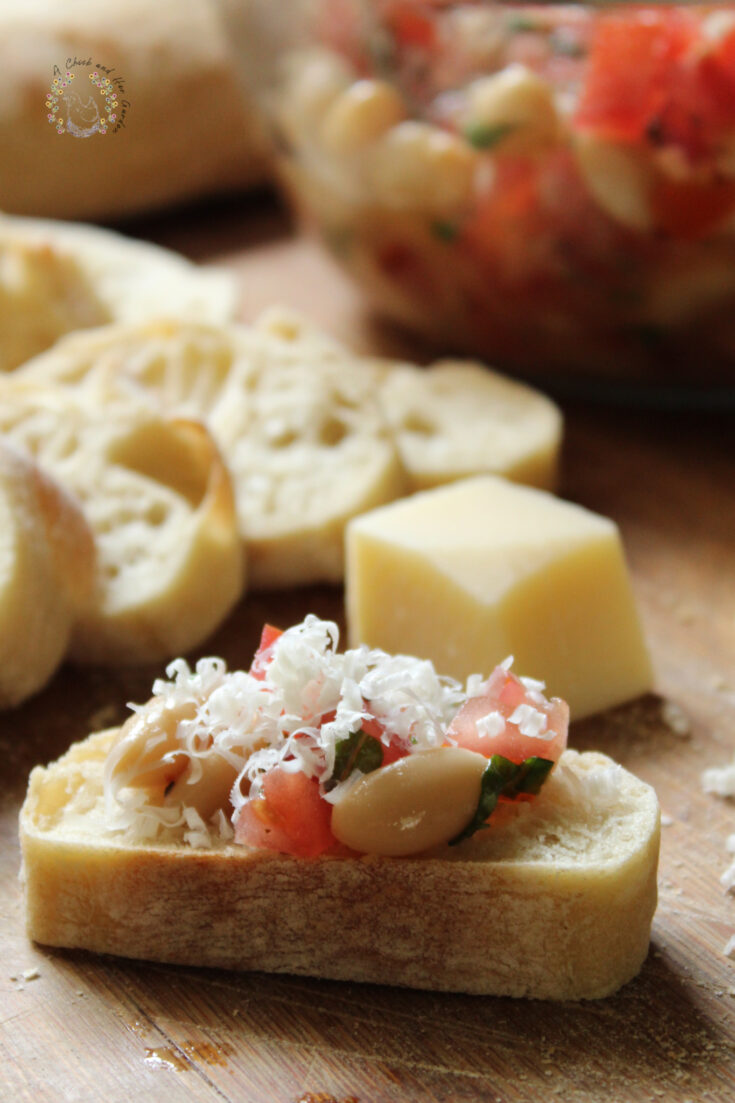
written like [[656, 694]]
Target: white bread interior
[[555, 901], [457, 418], [56, 278], [313, 435], [296, 421], [160, 504]]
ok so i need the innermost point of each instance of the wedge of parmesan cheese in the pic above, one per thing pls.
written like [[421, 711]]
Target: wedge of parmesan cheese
[[467, 574]]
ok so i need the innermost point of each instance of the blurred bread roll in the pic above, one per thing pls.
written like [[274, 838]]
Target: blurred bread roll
[[47, 562], [187, 129]]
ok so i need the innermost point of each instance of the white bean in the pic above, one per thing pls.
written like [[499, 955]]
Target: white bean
[[419, 166], [411, 805], [359, 115], [619, 179], [143, 741], [518, 105], [312, 82], [210, 792]]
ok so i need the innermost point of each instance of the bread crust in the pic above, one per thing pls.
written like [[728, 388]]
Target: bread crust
[[47, 567], [550, 928]]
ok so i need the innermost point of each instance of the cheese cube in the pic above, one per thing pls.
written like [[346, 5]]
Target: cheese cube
[[470, 573]]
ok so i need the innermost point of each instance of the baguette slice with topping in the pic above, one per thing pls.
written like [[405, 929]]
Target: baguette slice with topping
[[380, 833]]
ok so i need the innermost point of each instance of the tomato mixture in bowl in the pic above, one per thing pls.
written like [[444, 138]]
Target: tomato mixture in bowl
[[549, 186]]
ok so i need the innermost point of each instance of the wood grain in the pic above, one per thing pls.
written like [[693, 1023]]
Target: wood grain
[[88, 1029]]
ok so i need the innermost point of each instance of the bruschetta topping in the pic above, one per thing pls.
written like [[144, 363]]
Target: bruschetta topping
[[313, 751]]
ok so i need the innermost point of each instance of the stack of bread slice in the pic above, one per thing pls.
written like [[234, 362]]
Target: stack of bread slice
[[199, 450], [312, 435]]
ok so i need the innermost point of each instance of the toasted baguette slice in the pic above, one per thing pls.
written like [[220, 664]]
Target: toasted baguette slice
[[47, 566], [296, 420], [452, 419], [55, 278], [555, 901], [160, 504], [458, 418]]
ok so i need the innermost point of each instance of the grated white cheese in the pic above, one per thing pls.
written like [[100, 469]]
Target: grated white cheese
[[492, 724], [720, 780], [531, 722], [675, 719], [309, 699], [300, 701]]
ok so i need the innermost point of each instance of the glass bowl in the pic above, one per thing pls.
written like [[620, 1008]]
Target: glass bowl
[[548, 186]]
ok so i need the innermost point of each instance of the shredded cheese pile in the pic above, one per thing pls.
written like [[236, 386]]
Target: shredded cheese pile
[[309, 698]]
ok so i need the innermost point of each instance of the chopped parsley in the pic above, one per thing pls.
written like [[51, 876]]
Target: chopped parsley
[[445, 231], [487, 135]]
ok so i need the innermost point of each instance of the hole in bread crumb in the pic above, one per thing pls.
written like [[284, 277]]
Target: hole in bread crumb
[[550, 839], [332, 431], [284, 439], [414, 423], [156, 514]]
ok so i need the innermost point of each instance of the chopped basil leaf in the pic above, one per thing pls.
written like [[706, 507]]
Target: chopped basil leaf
[[486, 135], [520, 24], [357, 751], [444, 231], [504, 778], [565, 45]]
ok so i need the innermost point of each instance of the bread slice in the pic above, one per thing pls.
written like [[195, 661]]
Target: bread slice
[[47, 564], [555, 901], [160, 504], [312, 434], [56, 278], [296, 420], [458, 418]]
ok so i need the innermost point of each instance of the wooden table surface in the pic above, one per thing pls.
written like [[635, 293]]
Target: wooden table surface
[[76, 1027]]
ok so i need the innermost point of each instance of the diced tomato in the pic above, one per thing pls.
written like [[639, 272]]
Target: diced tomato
[[290, 817], [652, 76], [411, 26], [632, 68], [687, 209], [263, 656], [503, 693]]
